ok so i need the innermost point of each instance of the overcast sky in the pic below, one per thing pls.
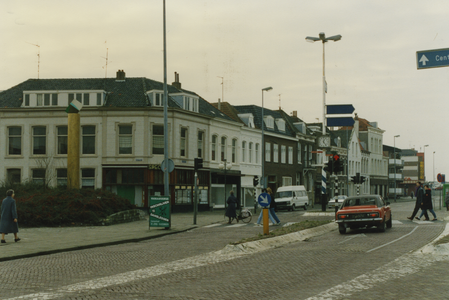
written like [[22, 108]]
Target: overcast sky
[[252, 44]]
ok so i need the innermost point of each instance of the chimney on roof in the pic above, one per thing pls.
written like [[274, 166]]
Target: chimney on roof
[[295, 113], [120, 75], [177, 84], [219, 104]]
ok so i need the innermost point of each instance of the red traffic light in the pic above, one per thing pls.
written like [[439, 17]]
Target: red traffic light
[[336, 157]]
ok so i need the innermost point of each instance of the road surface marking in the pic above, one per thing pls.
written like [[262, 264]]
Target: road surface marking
[[393, 241]]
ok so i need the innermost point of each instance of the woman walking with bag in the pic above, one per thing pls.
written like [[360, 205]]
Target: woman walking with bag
[[8, 222]]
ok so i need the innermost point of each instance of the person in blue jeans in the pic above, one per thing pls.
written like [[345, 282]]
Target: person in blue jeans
[[261, 213], [427, 204], [273, 207]]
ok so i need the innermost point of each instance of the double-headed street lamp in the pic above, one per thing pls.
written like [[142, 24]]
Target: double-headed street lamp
[[322, 37], [263, 140], [394, 155]]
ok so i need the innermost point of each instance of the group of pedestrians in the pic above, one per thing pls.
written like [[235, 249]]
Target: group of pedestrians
[[423, 202]]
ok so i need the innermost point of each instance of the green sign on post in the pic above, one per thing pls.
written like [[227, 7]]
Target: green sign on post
[[160, 211]]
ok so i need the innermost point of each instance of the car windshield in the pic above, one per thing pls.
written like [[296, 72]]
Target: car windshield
[[360, 202], [284, 194]]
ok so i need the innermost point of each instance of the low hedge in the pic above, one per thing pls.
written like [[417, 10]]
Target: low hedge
[[62, 207]]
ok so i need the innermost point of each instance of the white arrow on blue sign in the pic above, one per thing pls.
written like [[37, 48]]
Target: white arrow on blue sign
[[339, 109], [264, 199], [432, 58], [342, 121]]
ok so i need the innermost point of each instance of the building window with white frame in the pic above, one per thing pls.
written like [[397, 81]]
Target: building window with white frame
[[15, 140], [62, 139], [250, 153], [86, 99], [27, 99], [158, 139], [200, 144], [234, 150], [275, 153], [223, 148], [88, 178], [39, 99], [39, 140], [267, 152], [88, 139], [283, 154], [125, 139], [13, 176], [299, 152], [257, 153], [38, 176], [243, 151], [214, 148], [183, 142], [286, 181], [99, 99], [290, 155], [61, 177]]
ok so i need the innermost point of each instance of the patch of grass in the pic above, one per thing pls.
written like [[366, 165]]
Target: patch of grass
[[284, 230]]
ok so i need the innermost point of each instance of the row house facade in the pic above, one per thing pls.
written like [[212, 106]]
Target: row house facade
[[122, 139]]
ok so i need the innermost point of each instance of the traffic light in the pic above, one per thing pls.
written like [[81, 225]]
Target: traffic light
[[354, 179], [328, 167], [338, 164], [362, 179], [255, 180], [198, 163]]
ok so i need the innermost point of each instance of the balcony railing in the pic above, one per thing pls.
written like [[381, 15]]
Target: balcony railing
[[397, 176], [399, 162]]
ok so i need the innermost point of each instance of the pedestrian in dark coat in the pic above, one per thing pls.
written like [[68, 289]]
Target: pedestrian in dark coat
[[427, 204], [8, 221], [231, 210], [419, 201]]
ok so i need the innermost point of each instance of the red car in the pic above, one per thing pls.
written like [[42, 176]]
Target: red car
[[364, 211]]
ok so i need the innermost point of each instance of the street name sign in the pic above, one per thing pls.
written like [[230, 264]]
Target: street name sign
[[264, 199], [340, 121], [339, 109], [432, 58]]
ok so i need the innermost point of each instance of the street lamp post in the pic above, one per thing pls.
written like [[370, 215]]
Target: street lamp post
[[263, 139], [394, 155], [433, 166], [424, 161], [322, 37]]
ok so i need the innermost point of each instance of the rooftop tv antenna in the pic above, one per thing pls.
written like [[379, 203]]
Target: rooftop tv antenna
[[106, 66], [222, 87], [38, 57], [280, 101]]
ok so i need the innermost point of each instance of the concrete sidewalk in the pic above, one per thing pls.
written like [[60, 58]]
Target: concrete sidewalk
[[48, 240]]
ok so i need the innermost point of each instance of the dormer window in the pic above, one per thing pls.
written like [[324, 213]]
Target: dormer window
[[191, 103], [62, 98], [280, 124], [248, 119], [269, 122]]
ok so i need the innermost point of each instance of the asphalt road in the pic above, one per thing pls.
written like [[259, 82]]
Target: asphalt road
[[362, 264]]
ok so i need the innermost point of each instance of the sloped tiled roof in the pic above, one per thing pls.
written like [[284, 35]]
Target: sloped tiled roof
[[130, 92]]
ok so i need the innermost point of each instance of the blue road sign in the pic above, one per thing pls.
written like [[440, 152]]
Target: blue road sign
[[264, 199], [343, 121], [432, 58], [339, 109]]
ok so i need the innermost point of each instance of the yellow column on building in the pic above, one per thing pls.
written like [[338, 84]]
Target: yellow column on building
[[73, 151], [73, 145]]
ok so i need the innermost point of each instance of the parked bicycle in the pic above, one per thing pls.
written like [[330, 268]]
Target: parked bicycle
[[243, 215]]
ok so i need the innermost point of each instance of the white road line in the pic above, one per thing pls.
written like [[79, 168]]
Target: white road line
[[400, 267], [393, 240], [351, 237], [213, 225], [170, 267]]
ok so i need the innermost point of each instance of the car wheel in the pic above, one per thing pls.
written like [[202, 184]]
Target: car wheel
[[293, 207], [342, 229], [305, 206], [390, 222], [382, 226]]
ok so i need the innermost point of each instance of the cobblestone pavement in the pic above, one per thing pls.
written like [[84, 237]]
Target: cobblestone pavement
[[191, 265]]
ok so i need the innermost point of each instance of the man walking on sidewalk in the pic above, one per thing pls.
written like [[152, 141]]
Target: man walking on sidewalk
[[419, 201]]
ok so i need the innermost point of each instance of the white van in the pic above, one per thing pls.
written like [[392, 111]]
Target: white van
[[291, 197]]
